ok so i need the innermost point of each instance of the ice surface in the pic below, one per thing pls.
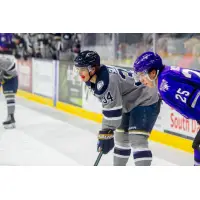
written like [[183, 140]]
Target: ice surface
[[41, 139]]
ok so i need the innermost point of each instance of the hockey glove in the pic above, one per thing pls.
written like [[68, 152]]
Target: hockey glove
[[105, 141], [196, 142]]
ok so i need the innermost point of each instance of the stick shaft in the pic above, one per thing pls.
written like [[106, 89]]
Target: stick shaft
[[98, 159]]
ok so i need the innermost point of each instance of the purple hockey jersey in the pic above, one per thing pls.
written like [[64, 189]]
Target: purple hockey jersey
[[180, 89]]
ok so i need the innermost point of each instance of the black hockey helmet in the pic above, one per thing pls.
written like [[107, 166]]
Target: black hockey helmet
[[87, 59]]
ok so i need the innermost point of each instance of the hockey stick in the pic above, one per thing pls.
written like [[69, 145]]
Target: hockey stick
[[98, 158]]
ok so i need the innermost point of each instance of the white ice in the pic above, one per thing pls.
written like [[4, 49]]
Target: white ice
[[42, 139]]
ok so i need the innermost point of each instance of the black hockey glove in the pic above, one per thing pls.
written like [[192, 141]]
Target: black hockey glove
[[105, 140], [196, 142]]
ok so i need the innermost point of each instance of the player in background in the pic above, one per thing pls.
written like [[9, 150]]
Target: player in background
[[9, 83], [129, 110], [178, 87]]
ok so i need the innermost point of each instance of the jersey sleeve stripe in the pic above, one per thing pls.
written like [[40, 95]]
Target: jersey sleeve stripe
[[195, 100], [13, 67], [114, 108], [112, 113], [113, 118]]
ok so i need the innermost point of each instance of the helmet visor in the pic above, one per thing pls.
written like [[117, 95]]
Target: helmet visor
[[80, 69]]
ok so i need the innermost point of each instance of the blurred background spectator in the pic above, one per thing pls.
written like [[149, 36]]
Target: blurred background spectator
[[120, 49], [40, 45]]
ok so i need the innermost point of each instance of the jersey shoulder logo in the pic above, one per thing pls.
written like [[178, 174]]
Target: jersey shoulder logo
[[100, 85], [164, 86]]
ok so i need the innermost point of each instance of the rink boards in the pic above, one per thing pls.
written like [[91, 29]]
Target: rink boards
[[56, 84]]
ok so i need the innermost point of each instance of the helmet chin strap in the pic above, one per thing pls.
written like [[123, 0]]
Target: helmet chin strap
[[153, 80], [89, 70]]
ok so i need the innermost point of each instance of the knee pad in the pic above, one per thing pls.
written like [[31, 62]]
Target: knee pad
[[138, 139], [122, 146], [122, 138], [122, 149], [141, 153]]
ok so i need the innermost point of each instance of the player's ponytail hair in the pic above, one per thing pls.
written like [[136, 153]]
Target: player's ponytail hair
[[156, 69]]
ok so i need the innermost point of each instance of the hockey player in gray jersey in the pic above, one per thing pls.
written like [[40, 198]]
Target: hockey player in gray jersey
[[9, 82], [128, 109]]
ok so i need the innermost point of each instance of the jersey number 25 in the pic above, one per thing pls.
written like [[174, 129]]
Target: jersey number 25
[[182, 95]]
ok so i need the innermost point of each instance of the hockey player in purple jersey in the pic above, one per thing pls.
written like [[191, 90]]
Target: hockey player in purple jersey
[[178, 87]]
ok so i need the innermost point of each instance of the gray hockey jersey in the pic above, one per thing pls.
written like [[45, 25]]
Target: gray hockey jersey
[[7, 68], [118, 91]]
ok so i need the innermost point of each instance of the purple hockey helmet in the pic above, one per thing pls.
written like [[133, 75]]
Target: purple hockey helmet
[[147, 61]]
